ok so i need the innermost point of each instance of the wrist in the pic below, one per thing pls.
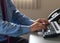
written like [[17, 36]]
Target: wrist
[[31, 30]]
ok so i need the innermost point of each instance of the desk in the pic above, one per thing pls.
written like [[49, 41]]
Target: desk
[[39, 39]]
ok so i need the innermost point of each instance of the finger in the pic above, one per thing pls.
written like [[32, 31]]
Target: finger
[[42, 26], [44, 21]]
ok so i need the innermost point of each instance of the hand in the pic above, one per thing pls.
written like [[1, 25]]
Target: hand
[[42, 20], [39, 24]]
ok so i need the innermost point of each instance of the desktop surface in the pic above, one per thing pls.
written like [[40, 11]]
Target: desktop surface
[[39, 39]]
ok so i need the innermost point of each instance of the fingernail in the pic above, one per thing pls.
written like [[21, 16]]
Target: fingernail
[[44, 23]]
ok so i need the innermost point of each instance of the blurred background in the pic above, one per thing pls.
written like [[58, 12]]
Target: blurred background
[[41, 9]]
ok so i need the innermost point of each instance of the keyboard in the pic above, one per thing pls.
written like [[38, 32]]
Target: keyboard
[[53, 30]]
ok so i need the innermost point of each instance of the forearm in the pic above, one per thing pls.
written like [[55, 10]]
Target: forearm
[[14, 30], [20, 18]]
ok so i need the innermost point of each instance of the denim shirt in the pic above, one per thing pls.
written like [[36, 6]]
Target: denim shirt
[[16, 24]]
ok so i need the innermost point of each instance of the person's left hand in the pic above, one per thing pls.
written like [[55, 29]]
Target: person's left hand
[[43, 21]]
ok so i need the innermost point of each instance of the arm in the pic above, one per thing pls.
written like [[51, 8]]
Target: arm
[[12, 29], [19, 18], [19, 29], [15, 30]]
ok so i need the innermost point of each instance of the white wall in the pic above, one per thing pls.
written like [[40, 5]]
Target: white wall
[[45, 8]]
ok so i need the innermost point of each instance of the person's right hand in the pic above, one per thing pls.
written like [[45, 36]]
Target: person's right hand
[[37, 26]]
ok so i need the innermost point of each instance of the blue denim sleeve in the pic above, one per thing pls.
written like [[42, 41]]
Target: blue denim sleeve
[[20, 18], [12, 29], [16, 16], [22, 23]]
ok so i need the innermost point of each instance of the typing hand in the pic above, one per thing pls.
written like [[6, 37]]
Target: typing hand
[[39, 24], [42, 20]]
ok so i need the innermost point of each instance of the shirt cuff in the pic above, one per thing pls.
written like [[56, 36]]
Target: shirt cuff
[[25, 29]]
